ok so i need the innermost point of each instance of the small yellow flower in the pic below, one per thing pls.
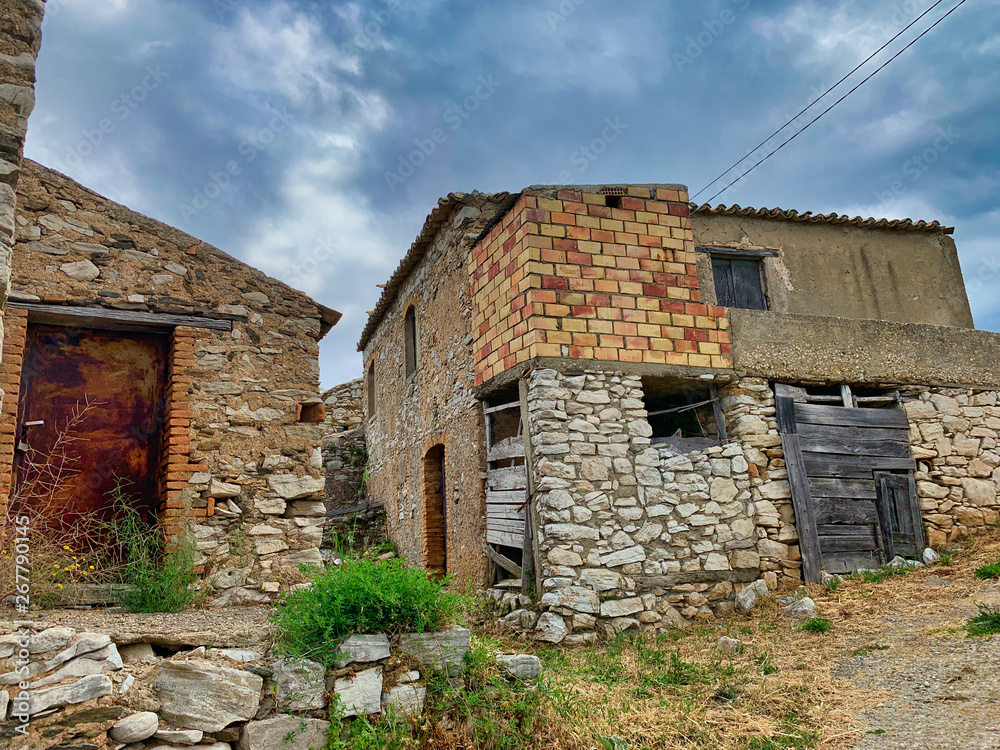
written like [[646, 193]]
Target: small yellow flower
[[91, 567], [55, 565], [67, 548]]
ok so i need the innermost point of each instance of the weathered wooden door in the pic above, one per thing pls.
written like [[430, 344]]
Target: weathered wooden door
[[835, 454], [94, 400], [507, 517], [902, 527]]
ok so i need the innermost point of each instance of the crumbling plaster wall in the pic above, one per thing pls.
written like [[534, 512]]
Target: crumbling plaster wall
[[20, 40], [248, 479], [436, 405], [630, 534], [905, 276]]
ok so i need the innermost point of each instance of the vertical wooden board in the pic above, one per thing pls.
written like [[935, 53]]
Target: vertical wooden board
[[748, 285], [722, 273], [801, 497]]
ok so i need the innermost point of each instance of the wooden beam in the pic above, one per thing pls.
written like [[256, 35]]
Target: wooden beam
[[497, 559], [102, 316], [737, 252], [501, 407], [805, 518], [720, 418]]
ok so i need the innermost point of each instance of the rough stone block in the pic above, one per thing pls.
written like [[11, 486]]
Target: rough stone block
[[363, 649], [360, 694], [443, 651], [300, 684], [285, 732], [198, 694]]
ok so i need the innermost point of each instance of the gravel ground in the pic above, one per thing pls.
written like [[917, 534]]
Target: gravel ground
[[933, 687]]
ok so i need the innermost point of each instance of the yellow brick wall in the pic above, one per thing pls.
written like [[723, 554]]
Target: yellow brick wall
[[571, 277]]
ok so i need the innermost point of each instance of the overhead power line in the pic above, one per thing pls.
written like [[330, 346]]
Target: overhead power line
[[821, 114]]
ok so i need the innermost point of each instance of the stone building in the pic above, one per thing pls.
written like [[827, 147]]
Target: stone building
[[194, 376], [631, 406]]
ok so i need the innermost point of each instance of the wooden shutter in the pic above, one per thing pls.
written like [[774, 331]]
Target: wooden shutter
[[738, 283]]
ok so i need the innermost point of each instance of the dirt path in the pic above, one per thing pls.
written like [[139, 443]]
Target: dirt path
[[927, 686]]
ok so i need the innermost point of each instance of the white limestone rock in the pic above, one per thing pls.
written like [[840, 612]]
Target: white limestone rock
[[290, 487], [443, 651], [551, 628], [285, 732], [300, 684], [728, 645], [800, 609], [135, 728], [89, 688], [179, 736], [363, 649], [751, 596], [199, 694], [406, 700], [521, 666], [361, 694]]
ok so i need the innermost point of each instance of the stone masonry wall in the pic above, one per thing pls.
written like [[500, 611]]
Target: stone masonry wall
[[20, 40], [343, 407], [435, 406], [954, 436], [630, 534], [243, 467]]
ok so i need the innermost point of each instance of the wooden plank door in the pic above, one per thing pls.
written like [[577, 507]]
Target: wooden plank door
[[901, 525], [834, 454], [121, 376]]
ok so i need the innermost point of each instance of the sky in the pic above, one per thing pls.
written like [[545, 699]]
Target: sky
[[311, 138]]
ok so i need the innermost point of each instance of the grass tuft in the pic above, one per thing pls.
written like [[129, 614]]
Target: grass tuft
[[816, 625], [987, 622], [988, 571]]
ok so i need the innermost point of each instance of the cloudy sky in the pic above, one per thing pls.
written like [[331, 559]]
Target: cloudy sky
[[298, 135]]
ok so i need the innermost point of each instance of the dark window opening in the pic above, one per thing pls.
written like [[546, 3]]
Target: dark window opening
[[311, 413], [435, 512], [410, 341], [739, 282], [850, 396], [371, 389], [613, 201], [684, 416]]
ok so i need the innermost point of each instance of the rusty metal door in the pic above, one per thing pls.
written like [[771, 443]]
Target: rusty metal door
[[93, 399]]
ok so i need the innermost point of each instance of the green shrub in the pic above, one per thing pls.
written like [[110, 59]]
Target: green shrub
[[988, 571], [815, 625], [360, 596], [987, 622], [155, 578]]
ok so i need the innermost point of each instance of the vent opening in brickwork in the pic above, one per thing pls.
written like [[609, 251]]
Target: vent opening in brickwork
[[410, 341], [435, 511], [311, 413], [684, 416]]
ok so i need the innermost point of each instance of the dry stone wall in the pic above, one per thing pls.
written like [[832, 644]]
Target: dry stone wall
[[20, 39], [634, 535], [434, 406], [343, 407], [249, 478], [954, 436]]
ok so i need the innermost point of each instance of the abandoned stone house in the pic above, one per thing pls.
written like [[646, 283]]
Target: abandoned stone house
[[631, 407], [197, 377]]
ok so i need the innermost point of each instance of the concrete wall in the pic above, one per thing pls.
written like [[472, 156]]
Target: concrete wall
[[436, 405], [239, 463], [847, 272], [791, 348]]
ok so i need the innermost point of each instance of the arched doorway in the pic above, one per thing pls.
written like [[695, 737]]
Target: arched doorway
[[435, 511]]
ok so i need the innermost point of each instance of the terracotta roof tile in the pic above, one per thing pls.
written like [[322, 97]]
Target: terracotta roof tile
[[808, 217]]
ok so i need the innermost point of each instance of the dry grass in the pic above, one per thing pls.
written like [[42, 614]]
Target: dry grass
[[675, 690]]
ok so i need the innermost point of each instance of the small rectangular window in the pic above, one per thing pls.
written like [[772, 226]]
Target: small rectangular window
[[739, 282], [410, 341], [370, 385]]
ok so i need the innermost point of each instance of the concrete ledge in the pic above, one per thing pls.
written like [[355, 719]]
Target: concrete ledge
[[823, 349]]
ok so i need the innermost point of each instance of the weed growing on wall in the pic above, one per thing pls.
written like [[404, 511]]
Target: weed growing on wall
[[360, 596]]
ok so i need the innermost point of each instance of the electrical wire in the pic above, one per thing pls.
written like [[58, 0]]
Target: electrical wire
[[821, 114]]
